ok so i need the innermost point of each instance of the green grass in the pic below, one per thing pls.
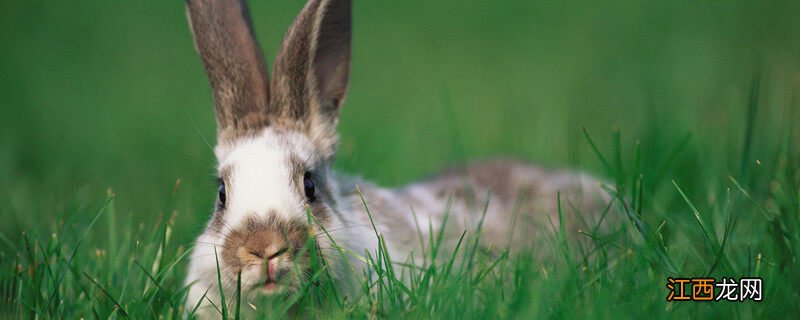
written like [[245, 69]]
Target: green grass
[[688, 108], [739, 231]]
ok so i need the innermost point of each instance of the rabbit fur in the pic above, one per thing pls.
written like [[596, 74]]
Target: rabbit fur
[[276, 134]]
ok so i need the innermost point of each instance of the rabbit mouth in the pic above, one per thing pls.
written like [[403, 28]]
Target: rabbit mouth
[[269, 283], [268, 287]]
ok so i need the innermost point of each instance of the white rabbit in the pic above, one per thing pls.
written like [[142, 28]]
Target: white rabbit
[[276, 143]]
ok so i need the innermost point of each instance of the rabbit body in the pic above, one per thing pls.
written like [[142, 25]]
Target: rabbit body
[[276, 143], [511, 201]]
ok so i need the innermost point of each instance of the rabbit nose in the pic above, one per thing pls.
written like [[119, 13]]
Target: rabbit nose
[[269, 260], [257, 242], [266, 253]]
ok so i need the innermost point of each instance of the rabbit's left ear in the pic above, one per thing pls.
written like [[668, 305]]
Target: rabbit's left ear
[[224, 38], [312, 68]]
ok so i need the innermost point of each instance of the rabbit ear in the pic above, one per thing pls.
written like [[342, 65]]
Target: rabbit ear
[[313, 65], [225, 41]]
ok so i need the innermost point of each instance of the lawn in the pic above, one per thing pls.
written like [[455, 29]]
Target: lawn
[[689, 108]]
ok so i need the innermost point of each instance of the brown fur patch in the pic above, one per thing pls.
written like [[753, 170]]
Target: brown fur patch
[[319, 175], [255, 239], [312, 70], [292, 64], [224, 39]]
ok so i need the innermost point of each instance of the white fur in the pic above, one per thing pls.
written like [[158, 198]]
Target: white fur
[[259, 183], [260, 178]]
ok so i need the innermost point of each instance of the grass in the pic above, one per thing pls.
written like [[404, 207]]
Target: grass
[[688, 109], [740, 231]]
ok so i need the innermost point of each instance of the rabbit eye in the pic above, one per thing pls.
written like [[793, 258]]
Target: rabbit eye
[[308, 186], [221, 196]]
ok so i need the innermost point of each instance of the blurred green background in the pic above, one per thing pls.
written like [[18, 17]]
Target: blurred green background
[[110, 94]]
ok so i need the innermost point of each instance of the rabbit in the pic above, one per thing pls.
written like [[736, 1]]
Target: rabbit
[[276, 144]]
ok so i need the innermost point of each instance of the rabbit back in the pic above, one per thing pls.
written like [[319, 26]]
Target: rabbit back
[[513, 202]]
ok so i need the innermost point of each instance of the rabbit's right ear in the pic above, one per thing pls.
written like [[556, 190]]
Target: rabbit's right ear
[[225, 41], [312, 69]]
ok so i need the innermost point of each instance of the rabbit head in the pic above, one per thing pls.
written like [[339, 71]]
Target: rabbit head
[[276, 140]]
